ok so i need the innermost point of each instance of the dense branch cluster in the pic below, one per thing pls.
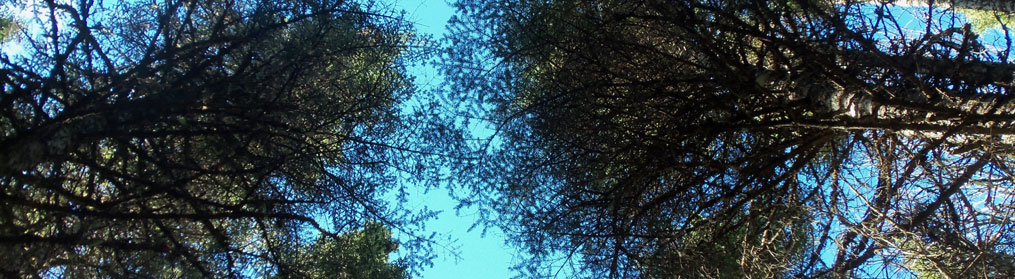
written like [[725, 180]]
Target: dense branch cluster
[[738, 139], [198, 138]]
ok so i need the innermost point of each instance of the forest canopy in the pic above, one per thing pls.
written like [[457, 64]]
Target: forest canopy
[[630, 139]]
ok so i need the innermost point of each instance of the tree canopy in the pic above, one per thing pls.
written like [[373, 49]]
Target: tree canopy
[[198, 139], [631, 139], [741, 139]]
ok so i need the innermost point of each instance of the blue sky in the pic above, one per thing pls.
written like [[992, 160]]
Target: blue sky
[[478, 255]]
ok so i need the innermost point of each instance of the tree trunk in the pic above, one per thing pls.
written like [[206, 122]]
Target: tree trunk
[[927, 112], [985, 5]]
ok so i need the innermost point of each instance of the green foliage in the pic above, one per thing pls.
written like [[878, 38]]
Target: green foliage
[[8, 29], [359, 254], [982, 20]]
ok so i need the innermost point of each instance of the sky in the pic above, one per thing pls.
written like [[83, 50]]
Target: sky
[[478, 255]]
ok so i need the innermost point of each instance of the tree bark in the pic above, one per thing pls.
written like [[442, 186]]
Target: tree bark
[[985, 5]]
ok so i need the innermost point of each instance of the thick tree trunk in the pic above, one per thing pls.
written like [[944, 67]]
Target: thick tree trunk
[[927, 112], [987, 5]]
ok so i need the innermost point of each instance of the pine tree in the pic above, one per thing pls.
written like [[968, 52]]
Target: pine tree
[[198, 139], [733, 139]]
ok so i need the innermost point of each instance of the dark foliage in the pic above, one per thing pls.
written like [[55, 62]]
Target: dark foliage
[[733, 139], [172, 139]]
